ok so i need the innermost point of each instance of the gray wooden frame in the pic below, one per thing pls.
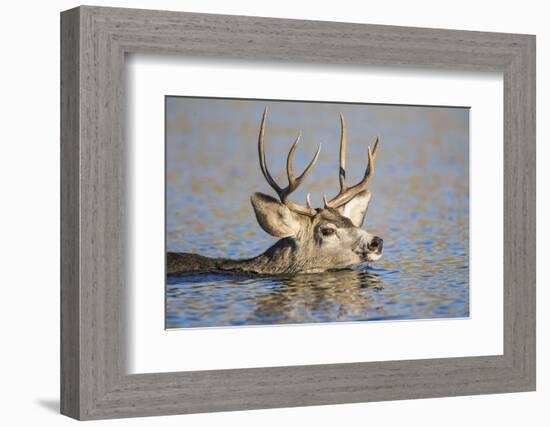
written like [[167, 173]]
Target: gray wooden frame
[[94, 41]]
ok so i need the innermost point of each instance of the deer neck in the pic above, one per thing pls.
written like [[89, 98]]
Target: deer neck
[[282, 257]]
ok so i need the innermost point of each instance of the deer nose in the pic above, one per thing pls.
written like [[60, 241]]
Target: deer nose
[[376, 244]]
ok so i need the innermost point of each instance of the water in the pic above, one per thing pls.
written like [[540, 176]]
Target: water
[[419, 207]]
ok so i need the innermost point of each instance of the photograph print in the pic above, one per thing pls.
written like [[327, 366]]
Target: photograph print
[[293, 212]]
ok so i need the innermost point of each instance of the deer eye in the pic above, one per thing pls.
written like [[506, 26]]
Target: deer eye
[[326, 231]]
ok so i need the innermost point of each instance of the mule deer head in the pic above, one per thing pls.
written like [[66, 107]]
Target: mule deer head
[[319, 239]]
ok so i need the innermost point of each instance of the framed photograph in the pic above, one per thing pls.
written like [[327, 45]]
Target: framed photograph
[[262, 213]]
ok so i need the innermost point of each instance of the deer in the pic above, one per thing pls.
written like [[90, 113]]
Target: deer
[[311, 240]]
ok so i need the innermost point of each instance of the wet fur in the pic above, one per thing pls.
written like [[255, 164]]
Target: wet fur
[[289, 255]]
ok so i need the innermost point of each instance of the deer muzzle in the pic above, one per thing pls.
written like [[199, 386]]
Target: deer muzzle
[[369, 248]]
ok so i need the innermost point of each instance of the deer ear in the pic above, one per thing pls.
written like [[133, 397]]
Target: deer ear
[[356, 208], [274, 217]]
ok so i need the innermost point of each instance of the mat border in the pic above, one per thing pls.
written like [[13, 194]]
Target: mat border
[[94, 42]]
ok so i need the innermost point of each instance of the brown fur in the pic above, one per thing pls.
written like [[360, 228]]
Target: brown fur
[[308, 250]]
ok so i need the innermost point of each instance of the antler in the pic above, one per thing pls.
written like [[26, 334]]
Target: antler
[[293, 182], [346, 193]]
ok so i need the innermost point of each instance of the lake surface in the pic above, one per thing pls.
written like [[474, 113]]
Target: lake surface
[[420, 207]]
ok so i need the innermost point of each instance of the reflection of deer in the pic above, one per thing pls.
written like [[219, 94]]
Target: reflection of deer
[[330, 296], [312, 240]]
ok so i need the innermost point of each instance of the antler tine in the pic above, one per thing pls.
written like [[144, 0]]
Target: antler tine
[[308, 200], [357, 188], [261, 153], [343, 144], [346, 193], [375, 149], [293, 182]]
